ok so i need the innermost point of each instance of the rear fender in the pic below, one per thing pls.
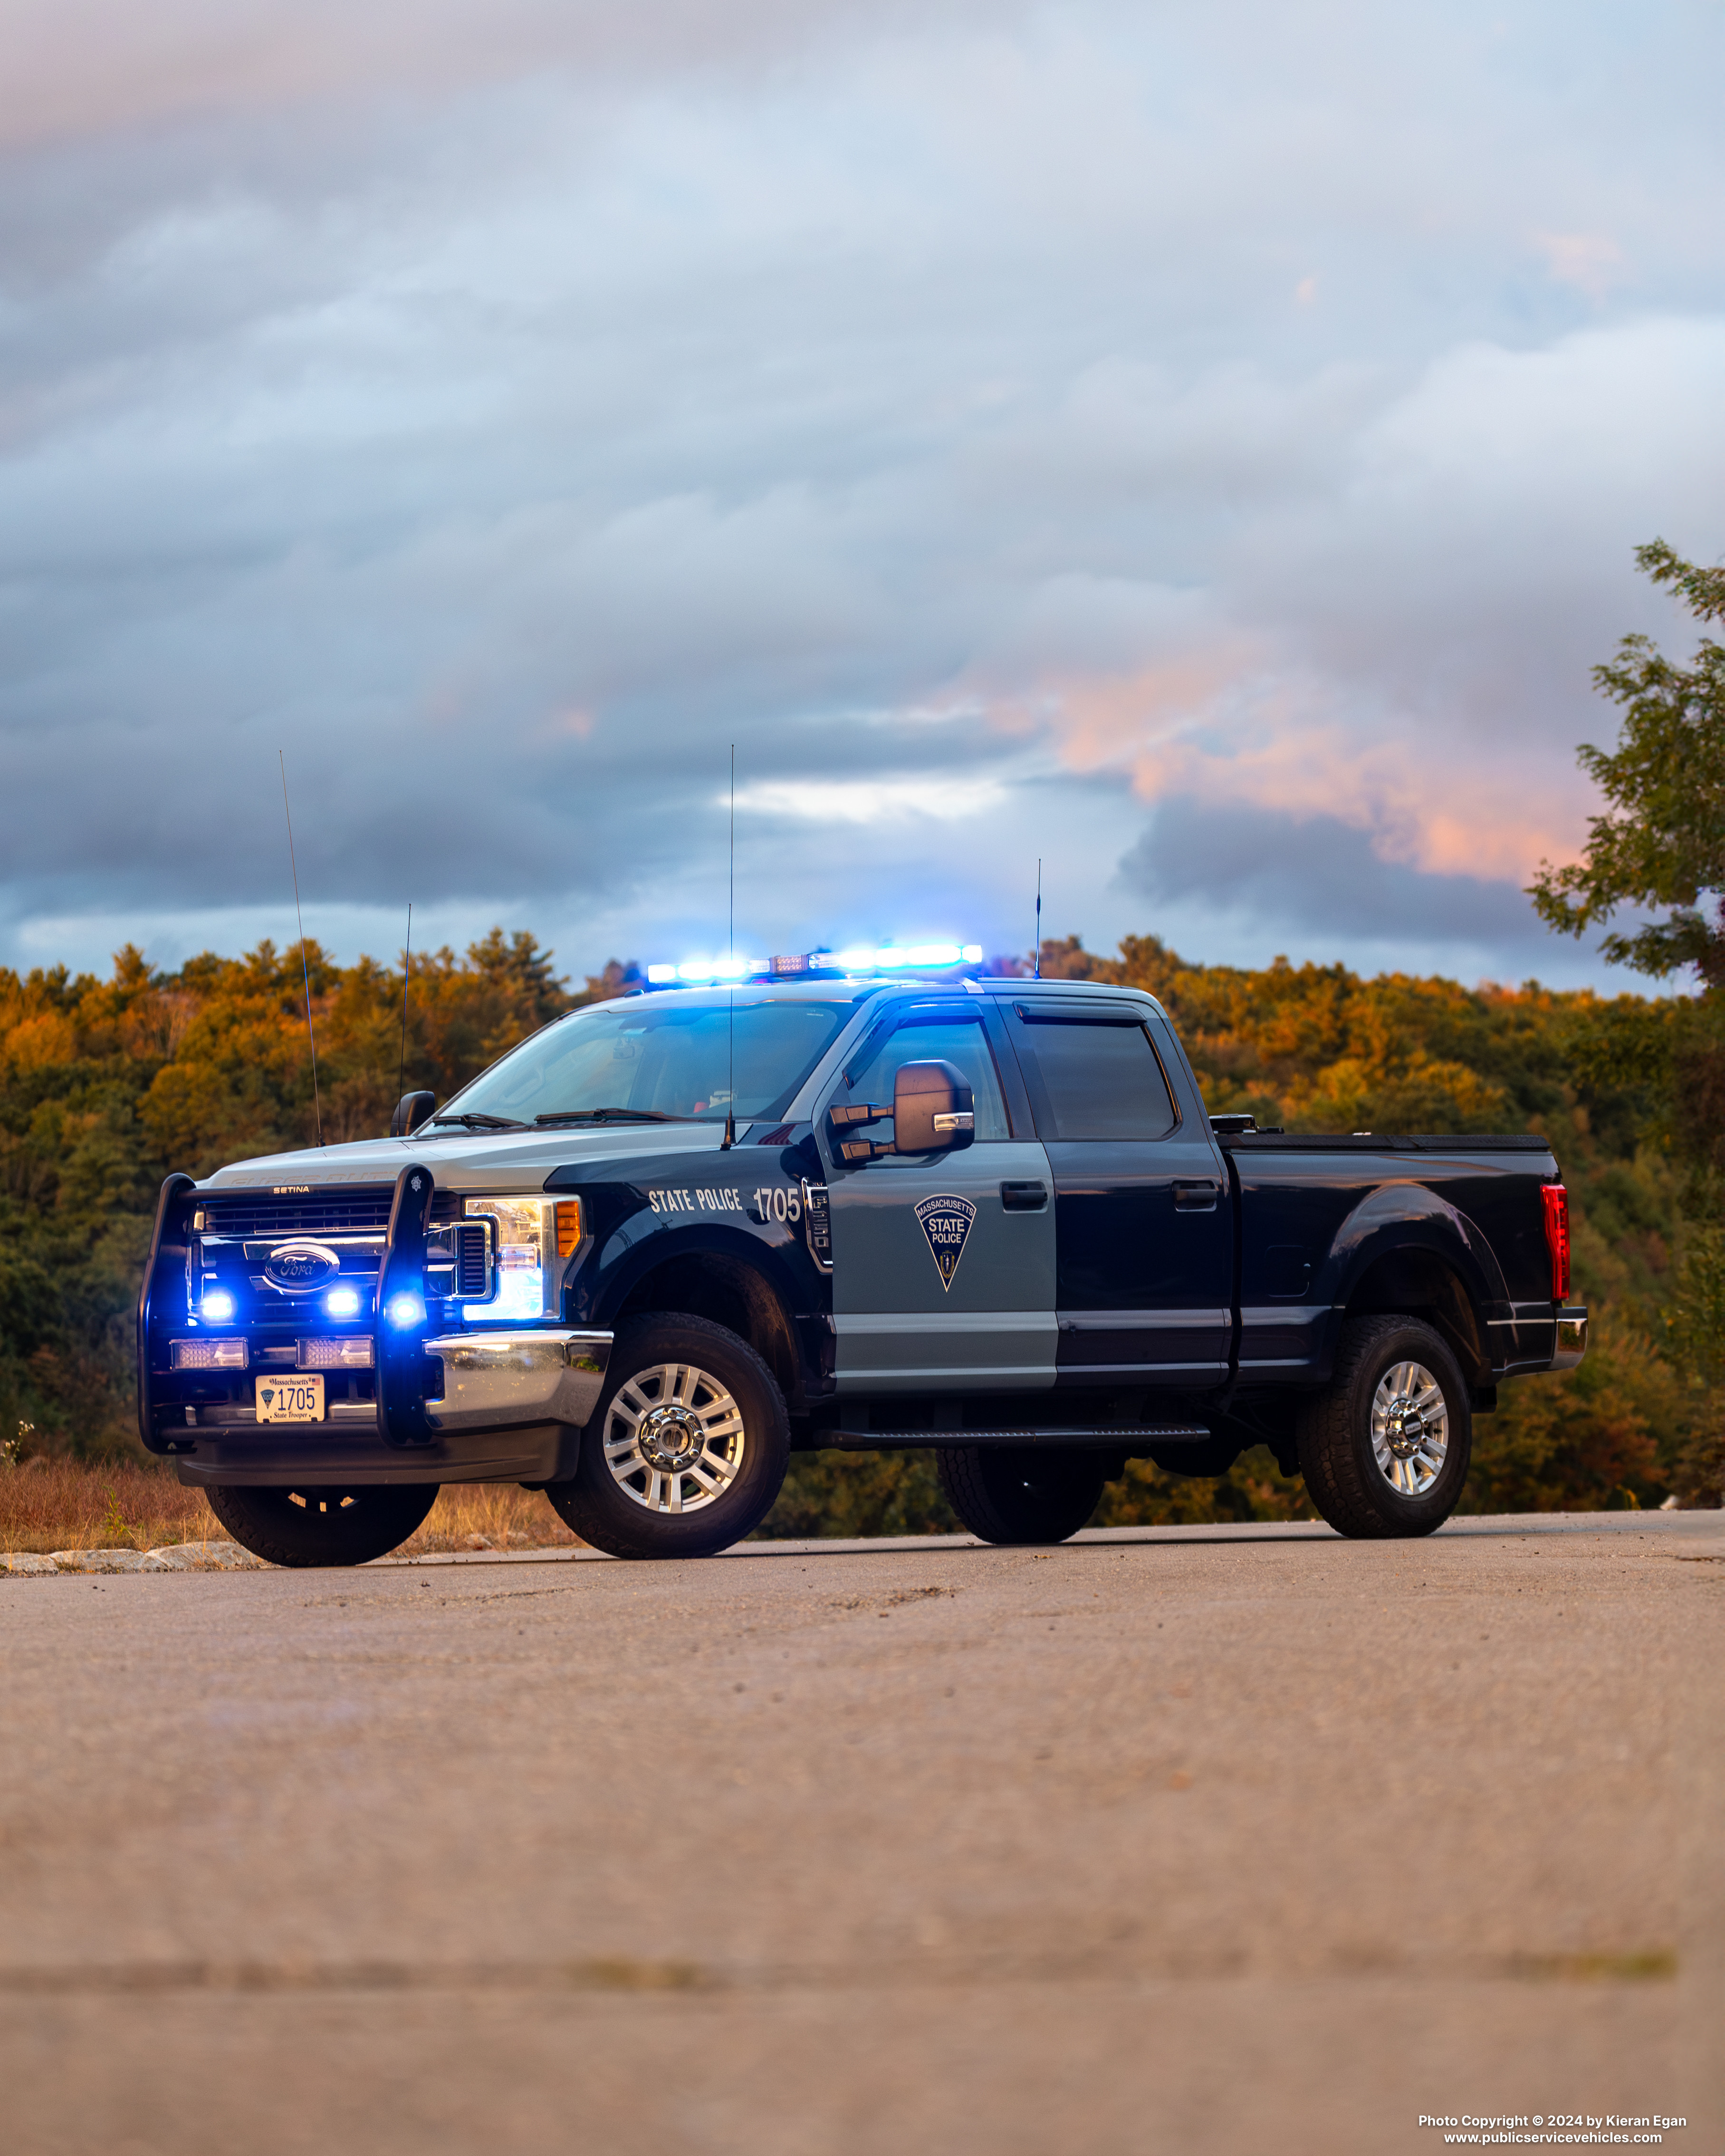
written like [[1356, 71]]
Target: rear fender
[[1404, 1247]]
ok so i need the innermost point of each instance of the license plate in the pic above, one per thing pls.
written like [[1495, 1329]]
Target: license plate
[[290, 1400]]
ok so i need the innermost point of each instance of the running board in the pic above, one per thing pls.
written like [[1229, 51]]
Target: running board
[[1129, 1437]]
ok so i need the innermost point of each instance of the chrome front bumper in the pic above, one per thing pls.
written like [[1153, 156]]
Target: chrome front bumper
[[493, 1380]]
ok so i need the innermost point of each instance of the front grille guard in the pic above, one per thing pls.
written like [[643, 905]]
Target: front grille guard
[[420, 1223]]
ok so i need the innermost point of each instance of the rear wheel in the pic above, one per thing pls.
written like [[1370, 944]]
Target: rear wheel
[[687, 1449], [1015, 1493], [1385, 1450], [317, 1526]]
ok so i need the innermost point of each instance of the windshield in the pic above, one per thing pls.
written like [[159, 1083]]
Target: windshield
[[672, 1058]]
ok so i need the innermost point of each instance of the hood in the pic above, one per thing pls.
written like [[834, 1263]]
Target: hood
[[500, 1163]]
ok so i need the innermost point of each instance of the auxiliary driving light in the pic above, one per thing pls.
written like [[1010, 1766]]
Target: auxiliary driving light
[[405, 1310], [216, 1307], [206, 1354], [348, 1350], [342, 1302]]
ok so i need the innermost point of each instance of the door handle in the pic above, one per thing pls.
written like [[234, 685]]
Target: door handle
[[1023, 1197], [1196, 1197]]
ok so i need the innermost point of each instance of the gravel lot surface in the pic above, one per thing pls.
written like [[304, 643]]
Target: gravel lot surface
[[1197, 1840]]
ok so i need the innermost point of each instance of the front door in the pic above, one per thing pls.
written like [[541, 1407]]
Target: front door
[[1145, 1232], [943, 1264]]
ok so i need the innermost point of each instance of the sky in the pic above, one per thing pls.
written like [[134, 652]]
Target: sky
[[1201, 448]]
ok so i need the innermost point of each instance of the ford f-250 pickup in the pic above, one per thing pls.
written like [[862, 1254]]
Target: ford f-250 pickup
[[670, 1238]]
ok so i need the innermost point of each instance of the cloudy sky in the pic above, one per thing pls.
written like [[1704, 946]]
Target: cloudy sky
[[1202, 445]]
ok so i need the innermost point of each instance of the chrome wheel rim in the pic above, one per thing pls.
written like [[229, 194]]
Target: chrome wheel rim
[[1410, 1429], [674, 1438]]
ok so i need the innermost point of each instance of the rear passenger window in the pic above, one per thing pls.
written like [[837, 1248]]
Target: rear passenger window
[[1098, 1081]]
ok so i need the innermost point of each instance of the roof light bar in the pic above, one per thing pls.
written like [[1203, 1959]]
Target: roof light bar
[[861, 959]]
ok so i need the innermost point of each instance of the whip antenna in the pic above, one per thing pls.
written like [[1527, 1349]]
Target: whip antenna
[[305, 968], [407, 975], [1037, 975], [730, 1137]]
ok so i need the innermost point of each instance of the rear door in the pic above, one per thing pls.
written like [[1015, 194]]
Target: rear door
[[1144, 1232], [944, 1264]]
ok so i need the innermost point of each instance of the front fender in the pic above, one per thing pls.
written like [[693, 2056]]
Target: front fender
[[623, 1258]]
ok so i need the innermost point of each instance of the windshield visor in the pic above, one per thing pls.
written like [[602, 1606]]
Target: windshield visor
[[674, 1058]]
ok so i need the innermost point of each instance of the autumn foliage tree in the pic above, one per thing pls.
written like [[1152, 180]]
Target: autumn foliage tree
[[105, 1086]]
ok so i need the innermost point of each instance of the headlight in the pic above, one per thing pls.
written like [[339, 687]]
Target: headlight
[[535, 1237]]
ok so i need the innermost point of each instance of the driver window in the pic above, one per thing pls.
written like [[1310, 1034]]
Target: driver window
[[960, 1042]]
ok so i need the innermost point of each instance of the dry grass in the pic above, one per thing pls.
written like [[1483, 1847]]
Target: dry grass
[[48, 1505], [507, 1515], [67, 1504]]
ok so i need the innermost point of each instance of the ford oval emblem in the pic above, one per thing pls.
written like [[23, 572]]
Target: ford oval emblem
[[300, 1268]]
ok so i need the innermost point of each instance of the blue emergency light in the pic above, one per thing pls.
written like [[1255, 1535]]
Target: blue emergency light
[[861, 959]]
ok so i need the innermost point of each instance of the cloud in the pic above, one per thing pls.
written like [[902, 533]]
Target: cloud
[[944, 798], [1401, 631], [504, 411], [1591, 261], [1316, 876]]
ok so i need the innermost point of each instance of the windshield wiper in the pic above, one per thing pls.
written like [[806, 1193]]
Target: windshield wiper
[[614, 1116], [482, 1123]]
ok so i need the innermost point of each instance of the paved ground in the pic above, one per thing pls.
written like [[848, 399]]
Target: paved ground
[[1199, 1840]]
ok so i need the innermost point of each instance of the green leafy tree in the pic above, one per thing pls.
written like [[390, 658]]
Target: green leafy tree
[[1661, 845]]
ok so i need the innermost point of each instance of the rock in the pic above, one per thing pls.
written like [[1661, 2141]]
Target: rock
[[100, 1560], [27, 1567], [203, 1557]]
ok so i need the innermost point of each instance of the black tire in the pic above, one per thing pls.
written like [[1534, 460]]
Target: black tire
[[1017, 1493], [317, 1526], [1337, 1455], [743, 1449]]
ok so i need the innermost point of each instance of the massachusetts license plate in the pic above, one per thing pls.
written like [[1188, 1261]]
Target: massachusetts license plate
[[290, 1400]]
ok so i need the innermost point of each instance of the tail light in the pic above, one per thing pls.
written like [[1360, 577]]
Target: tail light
[[1557, 1238]]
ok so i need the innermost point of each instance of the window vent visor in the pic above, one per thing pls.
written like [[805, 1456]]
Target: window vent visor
[[207, 1355], [1081, 1014], [1556, 1237], [354, 1353]]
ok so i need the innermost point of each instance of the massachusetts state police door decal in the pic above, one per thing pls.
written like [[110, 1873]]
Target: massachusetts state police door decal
[[945, 1222]]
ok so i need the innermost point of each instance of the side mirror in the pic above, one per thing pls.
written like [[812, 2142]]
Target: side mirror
[[932, 1111], [410, 1111]]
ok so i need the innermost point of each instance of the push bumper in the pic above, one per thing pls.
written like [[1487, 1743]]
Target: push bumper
[[511, 1410]]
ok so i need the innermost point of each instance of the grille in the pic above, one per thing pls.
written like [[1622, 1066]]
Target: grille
[[352, 1212]]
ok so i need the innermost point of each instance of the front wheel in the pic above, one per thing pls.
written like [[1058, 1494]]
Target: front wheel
[[1385, 1450], [1020, 1493], [688, 1447], [317, 1526]]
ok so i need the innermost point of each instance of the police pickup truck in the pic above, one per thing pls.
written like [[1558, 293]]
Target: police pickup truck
[[671, 1239]]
